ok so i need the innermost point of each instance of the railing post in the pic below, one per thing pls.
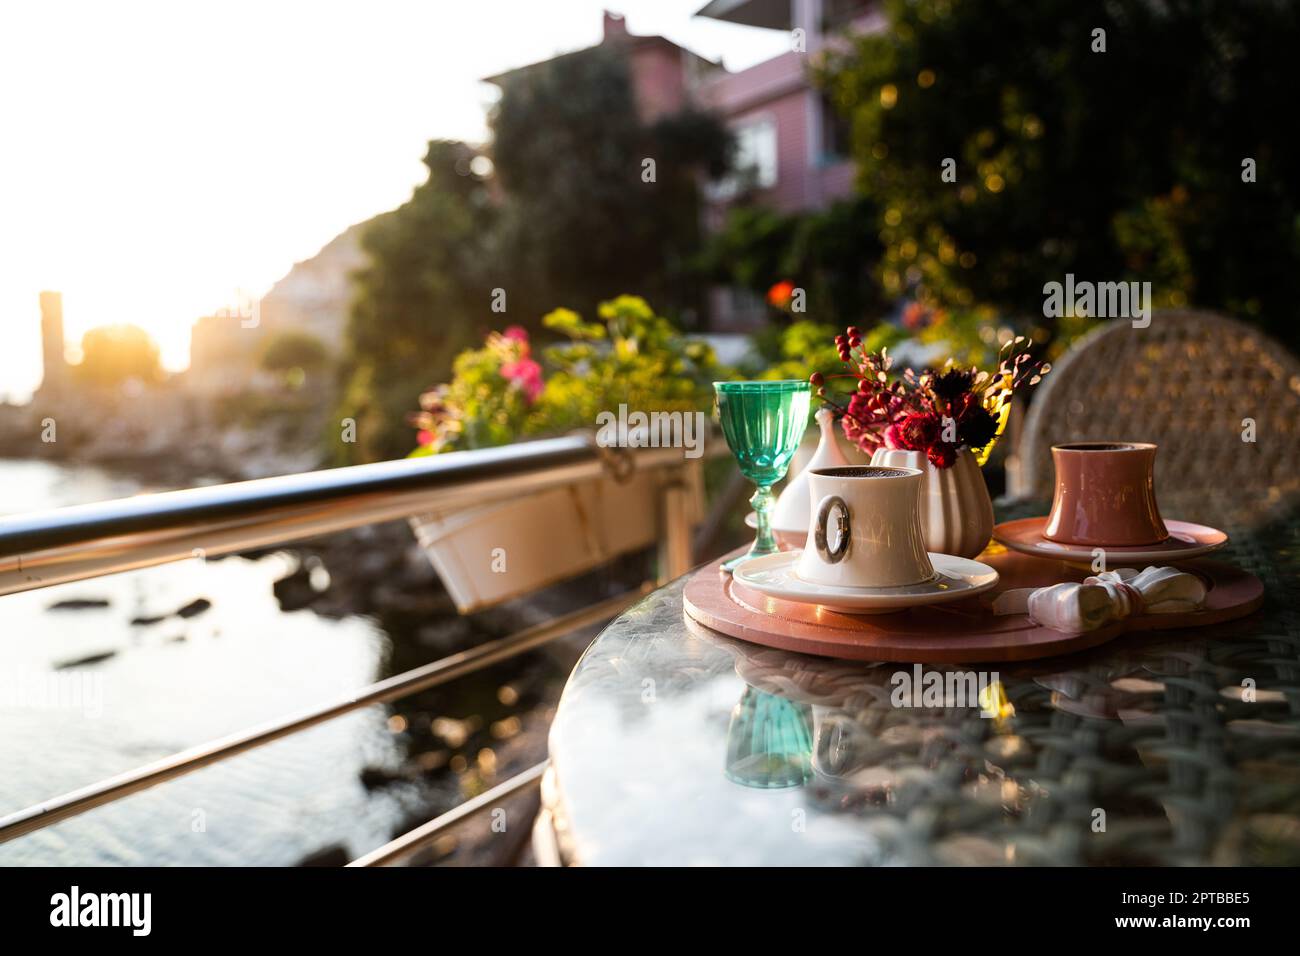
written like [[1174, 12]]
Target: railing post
[[675, 532]]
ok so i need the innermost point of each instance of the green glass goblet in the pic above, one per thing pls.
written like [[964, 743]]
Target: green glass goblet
[[769, 742], [763, 423]]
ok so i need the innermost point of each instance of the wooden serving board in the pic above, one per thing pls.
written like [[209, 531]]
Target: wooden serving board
[[948, 633]]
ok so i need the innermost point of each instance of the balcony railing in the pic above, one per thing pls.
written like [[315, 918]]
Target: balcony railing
[[70, 544]]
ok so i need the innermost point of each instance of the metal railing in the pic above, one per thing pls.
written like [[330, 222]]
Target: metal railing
[[86, 541], [70, 544]]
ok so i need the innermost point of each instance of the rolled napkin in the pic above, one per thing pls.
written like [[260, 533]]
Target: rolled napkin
[[1106, 597]]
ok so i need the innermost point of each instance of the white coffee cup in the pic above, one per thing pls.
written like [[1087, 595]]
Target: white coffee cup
[[865, 529]]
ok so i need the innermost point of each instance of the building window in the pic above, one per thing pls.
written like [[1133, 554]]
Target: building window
[[834, 130], [754, 165], [756, 152]]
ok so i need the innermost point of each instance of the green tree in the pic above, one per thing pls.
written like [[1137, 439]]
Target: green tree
[[113, 354], [425, 294], [292, 350], [1122, 164], [598, 202], [568, 220], [831, 254]]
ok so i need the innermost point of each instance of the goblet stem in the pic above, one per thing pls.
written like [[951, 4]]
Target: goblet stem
[[762, 503], [764, 541]]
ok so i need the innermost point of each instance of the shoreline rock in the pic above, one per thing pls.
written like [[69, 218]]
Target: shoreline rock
[[79, 604]]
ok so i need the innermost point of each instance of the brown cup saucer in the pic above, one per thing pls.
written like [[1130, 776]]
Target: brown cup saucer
[[1186, 540]]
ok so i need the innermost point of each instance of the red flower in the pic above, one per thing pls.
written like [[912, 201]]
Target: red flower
[[781, 293], [516, 333], [860, 406], [894, 437], [915, 316], [918, 431], [942, 455], [526, 375]]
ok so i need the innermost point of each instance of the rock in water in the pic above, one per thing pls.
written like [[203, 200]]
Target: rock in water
[[294, 591], [78, 604], [194, 608], [84, 661], [333, 855]]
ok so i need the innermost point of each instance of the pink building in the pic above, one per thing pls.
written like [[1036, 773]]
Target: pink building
[[792, 147], [787, 135], [666, 78], [792, 152], [791, 144]]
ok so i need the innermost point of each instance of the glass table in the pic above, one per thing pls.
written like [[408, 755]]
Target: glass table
[[676, 745]]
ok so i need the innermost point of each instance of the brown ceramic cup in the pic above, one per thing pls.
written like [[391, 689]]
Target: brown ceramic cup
[[1105, 495]]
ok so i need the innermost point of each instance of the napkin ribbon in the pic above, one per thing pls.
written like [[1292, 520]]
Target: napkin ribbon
[[1106, 597]]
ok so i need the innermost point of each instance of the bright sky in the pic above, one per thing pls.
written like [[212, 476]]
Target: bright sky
[[159, 160]]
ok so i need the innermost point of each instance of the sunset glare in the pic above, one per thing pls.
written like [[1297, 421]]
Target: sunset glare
[[217, 144]]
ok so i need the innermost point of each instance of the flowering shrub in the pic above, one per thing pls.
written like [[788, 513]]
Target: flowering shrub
[[522, 371], [501, 393], [938, 412]]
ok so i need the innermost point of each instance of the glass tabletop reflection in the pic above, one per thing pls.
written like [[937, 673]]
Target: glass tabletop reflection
[[674, 744]]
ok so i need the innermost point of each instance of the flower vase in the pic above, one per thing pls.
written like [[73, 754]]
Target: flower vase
[[793, 511], [956, 510]]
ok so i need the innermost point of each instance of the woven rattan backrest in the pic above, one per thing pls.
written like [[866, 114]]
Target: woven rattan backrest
[[1189, 381]]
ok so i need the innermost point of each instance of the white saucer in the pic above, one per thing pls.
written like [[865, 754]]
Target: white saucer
[[955, 578]]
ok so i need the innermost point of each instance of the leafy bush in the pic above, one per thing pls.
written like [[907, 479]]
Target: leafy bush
[[500, 393], [830, 254], [294, 349]]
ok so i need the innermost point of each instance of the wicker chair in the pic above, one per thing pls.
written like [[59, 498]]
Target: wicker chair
[[1186, 382]]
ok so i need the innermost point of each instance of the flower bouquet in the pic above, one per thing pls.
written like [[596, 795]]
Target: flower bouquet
[[938, 413], [943, 422]]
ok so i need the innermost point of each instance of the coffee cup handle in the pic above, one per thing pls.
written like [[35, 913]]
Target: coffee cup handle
[[819, 533]]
